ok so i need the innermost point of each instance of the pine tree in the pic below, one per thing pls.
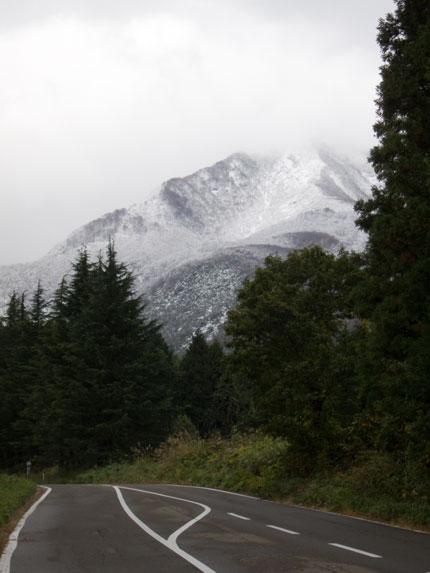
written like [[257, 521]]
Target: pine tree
[[38, 307], [89, 382], [30, 374], [43, 416], [8, 400], [16, 351], [201, 370], [77, 293], [396, 365], [110, 370], [126, 403]]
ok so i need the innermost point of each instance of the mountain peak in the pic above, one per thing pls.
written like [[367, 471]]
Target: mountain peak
[[203, 233]]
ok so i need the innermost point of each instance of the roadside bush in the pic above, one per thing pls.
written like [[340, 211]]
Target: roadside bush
[[379, 486]]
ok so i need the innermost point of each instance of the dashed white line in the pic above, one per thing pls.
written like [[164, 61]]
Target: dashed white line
[[354, 550], [283, 530], [239, 516], [170, 543], [13, 539]]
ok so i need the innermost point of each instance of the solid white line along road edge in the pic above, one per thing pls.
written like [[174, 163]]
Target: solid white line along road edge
[[13, 539], [217, 490], [356, 550], [284, 530], [239, 516], [298, 507], [170, 542]]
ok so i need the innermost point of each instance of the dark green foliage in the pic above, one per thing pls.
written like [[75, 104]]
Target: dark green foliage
[[375, 486], [91, 383], [231, 406], [38, 308], [396, 296], [330, 352], [14, 491], [290, 337], [201, 370], [19, 339]]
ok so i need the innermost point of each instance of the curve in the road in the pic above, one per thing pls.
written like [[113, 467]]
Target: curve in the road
[[170, 542], [13, 539]]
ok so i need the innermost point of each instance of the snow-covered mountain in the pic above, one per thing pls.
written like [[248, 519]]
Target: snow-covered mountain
[[191, 244]]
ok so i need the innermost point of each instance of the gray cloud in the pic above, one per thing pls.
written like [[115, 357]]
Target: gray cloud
[[103, 100]]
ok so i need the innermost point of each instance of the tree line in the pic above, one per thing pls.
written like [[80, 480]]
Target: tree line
[[89, 379], [337, 349], [330, 351], [86, 378]]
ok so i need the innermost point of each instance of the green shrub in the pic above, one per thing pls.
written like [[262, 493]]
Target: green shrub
[[379, 486]]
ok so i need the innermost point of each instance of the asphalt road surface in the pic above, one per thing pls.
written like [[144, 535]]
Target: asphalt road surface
[[167, 528]]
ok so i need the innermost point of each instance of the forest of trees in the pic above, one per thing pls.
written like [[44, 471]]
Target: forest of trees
[[330, 351], [88, 380]]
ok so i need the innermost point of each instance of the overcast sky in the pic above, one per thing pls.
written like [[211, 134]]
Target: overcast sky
[[103, 100]]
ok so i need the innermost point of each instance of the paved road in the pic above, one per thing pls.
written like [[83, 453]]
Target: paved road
[[163, 528]]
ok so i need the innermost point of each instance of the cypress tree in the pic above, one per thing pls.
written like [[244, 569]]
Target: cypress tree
[[44, 412], [38, 307], [396, 299], [16, 351], [200, 373], [91, 381], [111, 373], [117, 344]]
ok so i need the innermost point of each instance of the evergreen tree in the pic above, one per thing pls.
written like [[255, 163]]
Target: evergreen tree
[[88, 383], [77, 294], [232, 407], [396, 297], [14, 310], [110, 370], [127, 398], [16, 351], [43, 413], [201, 370], [8, 392], [38, 308]]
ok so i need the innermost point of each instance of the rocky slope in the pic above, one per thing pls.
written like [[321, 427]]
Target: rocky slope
[[194, 241]]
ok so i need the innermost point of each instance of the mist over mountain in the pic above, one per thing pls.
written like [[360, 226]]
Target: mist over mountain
[[191, 244]]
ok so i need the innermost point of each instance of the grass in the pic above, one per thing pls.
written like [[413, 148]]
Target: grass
[[376, 486], [14, 493]]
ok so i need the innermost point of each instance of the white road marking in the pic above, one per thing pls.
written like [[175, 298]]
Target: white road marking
[[13, 539], [356, 550], [239, 516], [170, 543], [213, 489], [284, 530], [336, 514]]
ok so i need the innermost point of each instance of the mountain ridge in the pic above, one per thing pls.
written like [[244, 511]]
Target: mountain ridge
[[234, 212]]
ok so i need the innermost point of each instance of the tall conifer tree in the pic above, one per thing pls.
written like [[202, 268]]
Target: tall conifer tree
[[397, 220], [201, 370], [16, 352], [111, 372]]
